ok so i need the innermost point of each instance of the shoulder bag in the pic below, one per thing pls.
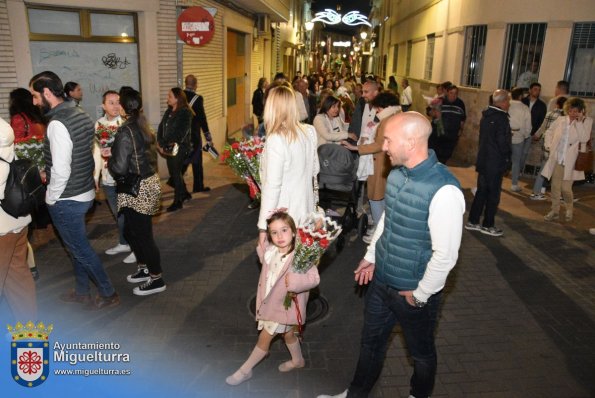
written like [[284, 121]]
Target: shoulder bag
[[130, 183], [584, 160]]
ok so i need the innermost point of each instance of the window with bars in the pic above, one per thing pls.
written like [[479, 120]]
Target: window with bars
[[429, 56], [522, 58], [580, 67], [475, 42], [395, 57], [408, 64]]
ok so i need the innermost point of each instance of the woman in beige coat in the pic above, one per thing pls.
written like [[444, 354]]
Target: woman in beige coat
[[386, 104], [562, 141]]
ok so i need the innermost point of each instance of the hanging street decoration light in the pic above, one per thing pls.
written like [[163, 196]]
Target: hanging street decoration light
[[331, 17]]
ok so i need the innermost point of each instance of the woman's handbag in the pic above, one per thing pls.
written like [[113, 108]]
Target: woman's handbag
[[584, 160], [173, 148], [130, 183]]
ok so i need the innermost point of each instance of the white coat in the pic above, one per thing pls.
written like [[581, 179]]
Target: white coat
[[577, 132], [287, 172]]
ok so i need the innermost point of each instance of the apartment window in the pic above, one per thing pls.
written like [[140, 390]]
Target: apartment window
[[429, 56], [97, 49], [522, 58], [580, 68], [395, 57], [475, 42], [408, 64]]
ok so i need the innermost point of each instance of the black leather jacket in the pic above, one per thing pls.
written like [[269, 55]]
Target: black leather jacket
[[124, 160]]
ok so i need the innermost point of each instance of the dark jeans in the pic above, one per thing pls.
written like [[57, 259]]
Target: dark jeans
[[444, 149], [487, 197], [384, 307], [175, 166], [195, 159], [138, 230], [68, 217]]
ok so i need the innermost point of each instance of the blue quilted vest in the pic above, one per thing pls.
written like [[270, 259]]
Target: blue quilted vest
[[405, 247]]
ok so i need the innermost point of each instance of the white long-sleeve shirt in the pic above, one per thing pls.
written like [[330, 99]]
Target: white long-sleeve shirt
[[445, 221], [61, 149]]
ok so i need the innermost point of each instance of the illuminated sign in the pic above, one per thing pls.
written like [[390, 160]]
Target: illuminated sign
[[341, 44], [331, 17]]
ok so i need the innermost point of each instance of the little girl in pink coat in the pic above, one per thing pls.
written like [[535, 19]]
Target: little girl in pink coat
[[276, 280]]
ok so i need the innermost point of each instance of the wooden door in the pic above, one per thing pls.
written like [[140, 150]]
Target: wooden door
[[236, 72]]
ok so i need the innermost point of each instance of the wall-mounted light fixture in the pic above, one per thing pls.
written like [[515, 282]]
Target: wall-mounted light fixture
[[309, 25], [363, 35]]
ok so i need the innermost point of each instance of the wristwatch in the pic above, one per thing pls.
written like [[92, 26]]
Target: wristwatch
[[418, 304]]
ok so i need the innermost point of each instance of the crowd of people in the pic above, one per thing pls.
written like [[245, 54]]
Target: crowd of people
[[401, 174]]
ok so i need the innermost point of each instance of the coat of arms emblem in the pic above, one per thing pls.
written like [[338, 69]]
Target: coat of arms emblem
[[29, 353]]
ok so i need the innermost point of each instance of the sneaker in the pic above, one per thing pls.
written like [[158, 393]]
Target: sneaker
[[119, 248], [141, 275], [551, 216], [367, 239], [568, 217], [290, 365], [537, 196], [516, 188], [474, 190], [34, 273], [151, 286], [592, 231], [469, 226], [342, 395], [492, 231], [130, 259], [104, 302]]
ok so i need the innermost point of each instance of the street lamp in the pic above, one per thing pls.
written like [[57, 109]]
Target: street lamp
[[322, 43], [309, 25], [363, 35]]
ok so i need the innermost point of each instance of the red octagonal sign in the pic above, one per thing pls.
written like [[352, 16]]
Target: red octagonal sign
[[196, 26]]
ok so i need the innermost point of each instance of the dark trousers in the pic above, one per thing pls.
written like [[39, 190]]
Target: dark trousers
[[384, 307], [138, 231], [195, 159], [175, 165], [487, 198]]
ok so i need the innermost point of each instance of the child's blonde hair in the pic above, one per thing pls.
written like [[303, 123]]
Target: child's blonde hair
[[286, 218]]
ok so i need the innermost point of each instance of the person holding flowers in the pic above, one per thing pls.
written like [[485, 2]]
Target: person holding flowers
[[289, 162], [278, 280], [106, 128]]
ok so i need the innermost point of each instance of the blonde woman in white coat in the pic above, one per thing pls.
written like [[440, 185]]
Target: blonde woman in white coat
[[289, 163], [562, 140]]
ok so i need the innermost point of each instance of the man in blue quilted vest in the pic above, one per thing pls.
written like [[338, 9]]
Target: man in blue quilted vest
[[415, 246]]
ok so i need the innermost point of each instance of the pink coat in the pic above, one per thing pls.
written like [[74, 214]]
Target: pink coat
[[270, 308]]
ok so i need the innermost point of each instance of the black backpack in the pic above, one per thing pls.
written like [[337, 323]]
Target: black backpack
[[24, 191]]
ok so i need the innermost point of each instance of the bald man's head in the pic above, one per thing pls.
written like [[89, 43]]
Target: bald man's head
[[191, 82], [406, 139]]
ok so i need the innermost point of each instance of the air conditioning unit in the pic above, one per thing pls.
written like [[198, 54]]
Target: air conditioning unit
[[263, 24]]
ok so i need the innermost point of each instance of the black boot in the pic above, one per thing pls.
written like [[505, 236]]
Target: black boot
[[177, 205], [186, 197]]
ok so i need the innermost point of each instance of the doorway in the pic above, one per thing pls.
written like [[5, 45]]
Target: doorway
[[236, 81]]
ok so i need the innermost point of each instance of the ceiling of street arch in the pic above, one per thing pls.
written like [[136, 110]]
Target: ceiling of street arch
[[363, 6]]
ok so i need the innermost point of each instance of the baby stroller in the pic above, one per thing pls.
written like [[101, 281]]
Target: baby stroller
[[338, 188]]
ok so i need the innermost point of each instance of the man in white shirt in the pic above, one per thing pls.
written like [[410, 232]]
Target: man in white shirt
[[520, 125], [406, 95], [414, 248], [71, 187]]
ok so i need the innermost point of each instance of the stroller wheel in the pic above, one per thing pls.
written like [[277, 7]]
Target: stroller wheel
[[362, 225], [340, 243], [348, 221]]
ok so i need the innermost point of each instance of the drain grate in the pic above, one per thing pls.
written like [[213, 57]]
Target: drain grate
[[316, 309]]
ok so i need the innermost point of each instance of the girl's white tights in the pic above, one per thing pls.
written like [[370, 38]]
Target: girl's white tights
[[245, 371], [297, 360]]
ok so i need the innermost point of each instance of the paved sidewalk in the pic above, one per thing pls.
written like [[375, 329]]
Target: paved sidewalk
[[518, 318]]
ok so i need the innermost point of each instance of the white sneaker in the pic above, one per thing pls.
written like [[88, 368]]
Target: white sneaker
[[131, 258], [474, 190], [367, 239], [516, 188], [592, 231], [119, 248], [342, 395]]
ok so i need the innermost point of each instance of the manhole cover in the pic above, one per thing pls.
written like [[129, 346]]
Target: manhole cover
[[316, 309]]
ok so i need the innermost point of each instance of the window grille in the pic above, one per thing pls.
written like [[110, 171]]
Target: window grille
[[429, 56], [580, 67], [395, 57], [475, 42], [522, 58], [409, 50]]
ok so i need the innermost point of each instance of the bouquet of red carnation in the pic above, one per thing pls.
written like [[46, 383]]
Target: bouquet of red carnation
[[314, 237], [244, 159], [30, 148], [105, 135]]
